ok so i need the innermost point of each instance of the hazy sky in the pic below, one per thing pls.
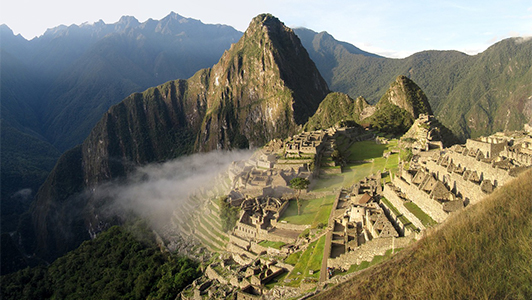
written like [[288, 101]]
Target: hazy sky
[[390, 28]]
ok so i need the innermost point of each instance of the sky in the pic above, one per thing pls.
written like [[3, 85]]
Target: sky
[[389, 28]]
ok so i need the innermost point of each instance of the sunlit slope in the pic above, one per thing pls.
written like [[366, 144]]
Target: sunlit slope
[[483, 252]]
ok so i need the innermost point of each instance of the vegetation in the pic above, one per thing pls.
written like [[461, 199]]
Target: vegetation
[[276, 245], [391, 119], [336, 108], [406, 154], [312, 212], [119, 264], [482, 252], [425, 219], [228, 214], [306, 260], [401, 217], [299, 184]]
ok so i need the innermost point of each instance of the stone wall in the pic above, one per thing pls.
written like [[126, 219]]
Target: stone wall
[[275, 238], [421, 199], [237, 250], [212, 274], [289, 226], [488, 149], [256, 248], [245, 231], [469, 190], [238, 241], [484, 170], [397, 202], [367, 251]]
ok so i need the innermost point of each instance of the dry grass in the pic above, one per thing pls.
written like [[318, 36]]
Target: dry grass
[[484, 252]]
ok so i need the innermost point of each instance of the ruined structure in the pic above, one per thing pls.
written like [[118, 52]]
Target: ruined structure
[[259, 220], [359, 222], [455, 177], [305, 143]]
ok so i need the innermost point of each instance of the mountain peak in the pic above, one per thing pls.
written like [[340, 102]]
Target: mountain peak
[[128, 21], [406, 94]]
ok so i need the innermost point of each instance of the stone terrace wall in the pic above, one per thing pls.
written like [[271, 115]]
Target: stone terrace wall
[[466, 188], [289, 226], [367, 251], [421, 199], [396, 201], [484, 170]]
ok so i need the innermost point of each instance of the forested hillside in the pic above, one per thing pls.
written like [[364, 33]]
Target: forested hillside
[[122, 263]]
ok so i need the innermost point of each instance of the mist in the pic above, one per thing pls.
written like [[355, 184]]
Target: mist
[[153, 192]]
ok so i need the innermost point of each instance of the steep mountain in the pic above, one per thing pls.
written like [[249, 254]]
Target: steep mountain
[[264, 87], [451, 262], [395, 112], [407, 95], [399, 107], [57, 86], [472, 95]]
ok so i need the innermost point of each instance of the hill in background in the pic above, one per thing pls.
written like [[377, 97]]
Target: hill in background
[[472, 95]]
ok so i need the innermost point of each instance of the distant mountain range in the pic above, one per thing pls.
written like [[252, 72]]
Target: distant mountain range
[[57, 86]]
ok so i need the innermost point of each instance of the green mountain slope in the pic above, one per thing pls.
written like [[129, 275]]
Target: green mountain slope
[[482, 252], [338, 107], [119, 264], [402, 103], [472, 95]]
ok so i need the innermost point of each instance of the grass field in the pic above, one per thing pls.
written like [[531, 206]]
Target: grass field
[[276, 245], [357, 169], [313, 211]]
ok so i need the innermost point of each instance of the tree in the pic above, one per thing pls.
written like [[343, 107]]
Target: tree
[[299, 184]]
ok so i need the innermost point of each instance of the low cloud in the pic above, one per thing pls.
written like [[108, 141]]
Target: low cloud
[[23, 194], [155, 191]]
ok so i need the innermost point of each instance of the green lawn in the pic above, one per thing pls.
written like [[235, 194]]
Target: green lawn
[[366, 150], [425, 219], [313, 211], [276, 245]]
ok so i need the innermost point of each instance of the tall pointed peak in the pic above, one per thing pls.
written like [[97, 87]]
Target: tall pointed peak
[[406, 94]]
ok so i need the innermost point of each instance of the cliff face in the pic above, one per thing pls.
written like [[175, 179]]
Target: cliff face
[[264, 87]]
